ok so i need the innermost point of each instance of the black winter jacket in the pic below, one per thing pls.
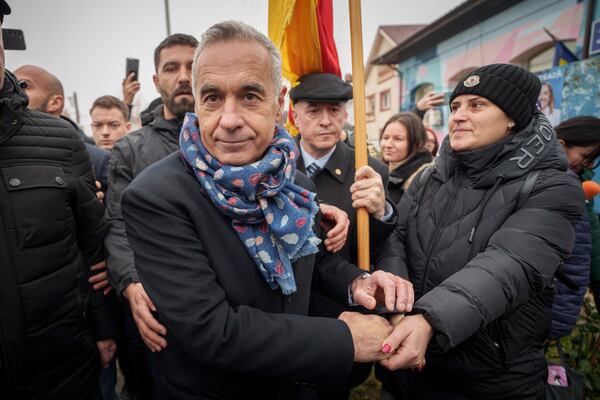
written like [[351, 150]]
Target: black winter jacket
[[130, 156], [51, 231], [482, 264], [399, 176]]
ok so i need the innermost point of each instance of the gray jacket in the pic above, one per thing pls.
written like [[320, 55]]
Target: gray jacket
[[130, 156]]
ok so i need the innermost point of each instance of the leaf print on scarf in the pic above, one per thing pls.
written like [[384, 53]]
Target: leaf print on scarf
[[260, 199]]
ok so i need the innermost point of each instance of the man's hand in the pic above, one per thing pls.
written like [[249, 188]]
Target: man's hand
[[407, 343], [130, 88], [368, 333], [430, 100], [151, 330], [336, 235], [99, 280], [383, 288], [99, 193], [107, 349], [368, 192]]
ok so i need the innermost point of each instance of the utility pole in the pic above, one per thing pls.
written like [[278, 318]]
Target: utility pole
[[76, 105], [167, 16]]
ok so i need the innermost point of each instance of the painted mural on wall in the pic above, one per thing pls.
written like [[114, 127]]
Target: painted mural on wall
[[581, 91]]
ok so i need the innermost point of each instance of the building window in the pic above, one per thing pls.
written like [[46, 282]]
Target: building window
[[541, 60], [370, 108], [385, 100]]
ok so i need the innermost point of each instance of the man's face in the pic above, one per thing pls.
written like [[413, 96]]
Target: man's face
[[236, 102], [173, 80], [108, 126], [320, 124], [36, 89]]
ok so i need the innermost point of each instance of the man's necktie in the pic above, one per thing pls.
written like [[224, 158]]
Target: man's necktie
[[312, 169]]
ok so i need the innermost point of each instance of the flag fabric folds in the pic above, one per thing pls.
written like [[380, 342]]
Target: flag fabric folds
[[302, 30], [562, 55]]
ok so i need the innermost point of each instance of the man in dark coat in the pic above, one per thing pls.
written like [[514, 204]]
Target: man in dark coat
[[51, 232], [227, 252], [320, 113]]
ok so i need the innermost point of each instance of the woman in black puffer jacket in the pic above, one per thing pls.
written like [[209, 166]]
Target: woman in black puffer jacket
[[481, 236], [402, 142]]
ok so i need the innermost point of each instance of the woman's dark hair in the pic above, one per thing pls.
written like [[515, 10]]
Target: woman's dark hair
[[581, 131], [435, 139], [416, 134]]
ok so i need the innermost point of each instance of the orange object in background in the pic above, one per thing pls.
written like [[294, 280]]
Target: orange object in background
[[590, 189]]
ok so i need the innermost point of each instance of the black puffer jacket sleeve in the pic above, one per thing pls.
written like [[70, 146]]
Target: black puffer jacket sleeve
[[392, 257], [518, 263], [119, 258]]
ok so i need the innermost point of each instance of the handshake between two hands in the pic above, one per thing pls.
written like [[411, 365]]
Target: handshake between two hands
[[398, 343]]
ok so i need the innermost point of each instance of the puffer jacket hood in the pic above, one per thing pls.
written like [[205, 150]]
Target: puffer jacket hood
[[12, 100], [12, 94]]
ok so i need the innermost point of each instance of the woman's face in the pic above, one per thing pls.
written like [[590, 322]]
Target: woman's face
[[544, 97], [476, 122], [431, 142], [578, 156], [394, 143]]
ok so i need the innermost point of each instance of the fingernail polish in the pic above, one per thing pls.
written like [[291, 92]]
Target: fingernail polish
[[386, 348]]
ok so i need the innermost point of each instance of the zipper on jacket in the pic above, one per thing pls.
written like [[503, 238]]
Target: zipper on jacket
[[438, 232]]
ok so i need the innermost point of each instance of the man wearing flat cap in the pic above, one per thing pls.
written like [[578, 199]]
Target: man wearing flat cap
[[320, 113], [54, 328]]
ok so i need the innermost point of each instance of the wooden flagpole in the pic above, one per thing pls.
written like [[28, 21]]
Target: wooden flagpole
[[360, 128]]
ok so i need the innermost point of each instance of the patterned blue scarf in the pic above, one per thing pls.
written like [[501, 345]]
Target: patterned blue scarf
[[272, 216]]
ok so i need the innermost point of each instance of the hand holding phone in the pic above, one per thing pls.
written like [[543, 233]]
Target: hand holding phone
[[131, 84], [132, 65]]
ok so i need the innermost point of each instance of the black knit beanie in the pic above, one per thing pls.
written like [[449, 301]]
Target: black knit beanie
[[512, 88]]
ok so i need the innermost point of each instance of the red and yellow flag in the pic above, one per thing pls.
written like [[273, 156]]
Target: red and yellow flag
[[302, 30]]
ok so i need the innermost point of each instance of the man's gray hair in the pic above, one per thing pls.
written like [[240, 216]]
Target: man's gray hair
[[235, 30]]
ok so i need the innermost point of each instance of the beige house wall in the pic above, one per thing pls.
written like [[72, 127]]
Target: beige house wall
[[380, 79]]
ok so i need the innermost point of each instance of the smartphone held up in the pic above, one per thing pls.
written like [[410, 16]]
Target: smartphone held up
[[132, 65]]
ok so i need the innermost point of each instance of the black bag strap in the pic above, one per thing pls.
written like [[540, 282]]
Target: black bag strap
[[527, 187], [523, 195]]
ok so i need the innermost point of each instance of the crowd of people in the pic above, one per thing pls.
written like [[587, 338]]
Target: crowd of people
[[214, 256]]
